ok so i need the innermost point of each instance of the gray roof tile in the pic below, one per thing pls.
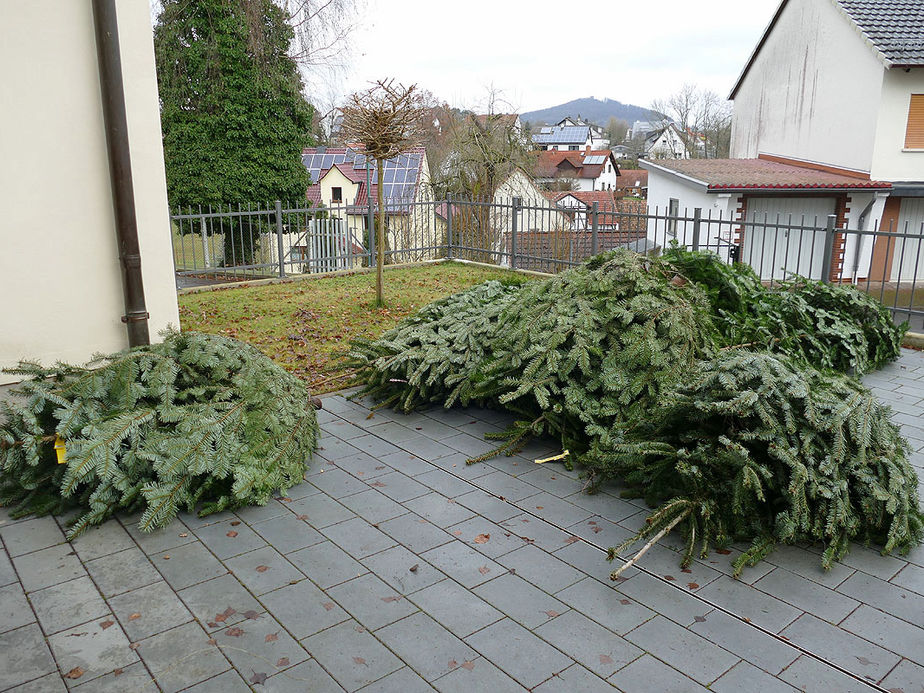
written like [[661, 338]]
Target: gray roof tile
[[895, 27]]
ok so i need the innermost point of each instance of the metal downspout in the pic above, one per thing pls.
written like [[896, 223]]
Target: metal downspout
[[120, 169], [861, 222]]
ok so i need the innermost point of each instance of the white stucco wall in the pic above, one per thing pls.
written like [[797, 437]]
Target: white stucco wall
[[60, 279], [812, 92], [719, 208], [891, 161]]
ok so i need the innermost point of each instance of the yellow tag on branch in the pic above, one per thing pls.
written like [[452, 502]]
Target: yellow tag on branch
[[59, 450]]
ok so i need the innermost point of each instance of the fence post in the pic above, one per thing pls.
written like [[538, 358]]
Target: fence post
[[205, 244], [594, 226], [449, 225], [826, 258], [279, 253], [697, 221], [515, 210]]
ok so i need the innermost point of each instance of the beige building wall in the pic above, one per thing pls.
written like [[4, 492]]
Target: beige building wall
[[60, 281]]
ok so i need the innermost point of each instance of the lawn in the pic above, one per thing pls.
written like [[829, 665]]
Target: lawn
[[303, 325]]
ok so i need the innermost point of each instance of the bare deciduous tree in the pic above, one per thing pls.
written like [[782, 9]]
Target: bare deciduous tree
[[386, 119], [703, 118]]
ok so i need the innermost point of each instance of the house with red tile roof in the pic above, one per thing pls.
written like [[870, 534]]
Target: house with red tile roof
[[828, 121], [587, 170]]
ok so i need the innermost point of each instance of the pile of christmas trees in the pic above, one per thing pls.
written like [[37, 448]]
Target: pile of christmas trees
[[727, 404], [199, 422]]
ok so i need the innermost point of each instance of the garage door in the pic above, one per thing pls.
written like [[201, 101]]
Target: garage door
[[775, 245], [908, 260]]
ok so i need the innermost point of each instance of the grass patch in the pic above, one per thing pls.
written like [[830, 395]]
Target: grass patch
[[304, 325]]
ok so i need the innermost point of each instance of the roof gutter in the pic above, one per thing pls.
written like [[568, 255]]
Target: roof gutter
[[794, 191], [120, 170]]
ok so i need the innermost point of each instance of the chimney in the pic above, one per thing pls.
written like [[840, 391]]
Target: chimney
[[586, 150]]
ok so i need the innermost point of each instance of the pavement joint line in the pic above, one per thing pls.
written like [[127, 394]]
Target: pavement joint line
[[678, 588]]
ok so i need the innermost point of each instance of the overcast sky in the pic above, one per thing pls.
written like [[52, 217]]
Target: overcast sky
[[542, 53]]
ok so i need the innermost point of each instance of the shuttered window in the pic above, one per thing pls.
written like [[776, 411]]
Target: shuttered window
[[914, 135]]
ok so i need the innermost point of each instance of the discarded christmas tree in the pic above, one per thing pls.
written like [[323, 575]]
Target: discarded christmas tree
[[199, 422]]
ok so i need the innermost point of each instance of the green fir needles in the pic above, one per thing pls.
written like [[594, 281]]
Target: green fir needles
[[758, 449], [724, 402], [197, 422]]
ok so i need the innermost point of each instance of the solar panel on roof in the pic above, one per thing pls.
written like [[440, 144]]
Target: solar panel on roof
[[594, 160]]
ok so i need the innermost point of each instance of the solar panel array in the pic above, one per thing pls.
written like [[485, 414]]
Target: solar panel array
[[400, 174], [594, 160]]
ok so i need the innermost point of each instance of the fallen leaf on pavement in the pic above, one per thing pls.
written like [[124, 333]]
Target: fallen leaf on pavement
[[551, 613], [106, 624], [606, 659], [360, 661], [117, 672], [134, 617], [414, 567], [692, 585], [453, 664], [468, 665], [234, 632], [74, 673], [482, 539], [231, 534], [328, 605], [282, 662], [224, 615], [235, 523], [484, 570], [251, 614], [262, 568], [259, 679]]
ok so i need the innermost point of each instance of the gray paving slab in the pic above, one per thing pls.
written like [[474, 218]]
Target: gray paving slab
[[371, 602], [92, 647], [462, 563], [597, 648], [506, 486], [134, 678], [373, 506], [162, 540], [15, 611], [536, 531], [47, 567], [307, 676], [260, 645], [487, 505], [51, 683], [31, 535], [684, 650], [219, 602], [190, 564], [486, 537], [399, 487], [358, 538], [885, 596], [320, 511], [68, 604], [807, 595], [404, 680], [445, 483], [102, 540], [440, 510], [604, 604], [403, 570], [327, 564], [744, 676], [364, 466], [122, 571], [406, 463], [263, 570], [304, 609], [812, 676], [425, 645], [228, 682], [747, 601], [648, 673], [351, 655], [911, 577], [837, 645], [229, 538], [752, 645], [520, 600], [337, 483], [181, 657], [24, 656], [522, 655], [455, 607], [287, 533], [477, 675], [259, 513], [555, 510], [541, 568], [7, 574], [414, 532], [907, 677], [588, 559], [899, 636], [677, 604], [149, 610], [574, 679]]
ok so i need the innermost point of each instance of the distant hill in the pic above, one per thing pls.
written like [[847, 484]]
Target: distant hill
[[591, 109]]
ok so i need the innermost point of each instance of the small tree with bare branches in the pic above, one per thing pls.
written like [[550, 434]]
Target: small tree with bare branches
[[386, 119]]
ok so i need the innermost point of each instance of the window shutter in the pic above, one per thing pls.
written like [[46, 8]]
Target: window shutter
[[914, 135]]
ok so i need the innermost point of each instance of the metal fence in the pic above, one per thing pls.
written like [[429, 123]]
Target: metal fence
[[277, 240]]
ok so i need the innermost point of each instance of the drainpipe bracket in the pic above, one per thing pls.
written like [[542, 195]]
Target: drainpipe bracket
[[137, 317]]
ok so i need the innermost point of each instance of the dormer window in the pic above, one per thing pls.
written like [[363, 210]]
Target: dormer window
[[336, 196], [914, 132]]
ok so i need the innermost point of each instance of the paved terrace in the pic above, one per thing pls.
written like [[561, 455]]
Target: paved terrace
[[397, 568]]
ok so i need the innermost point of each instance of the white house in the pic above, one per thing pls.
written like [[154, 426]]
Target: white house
[[586, 170], [828, 119], [665, 143], [60, 274], [565, 138]]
